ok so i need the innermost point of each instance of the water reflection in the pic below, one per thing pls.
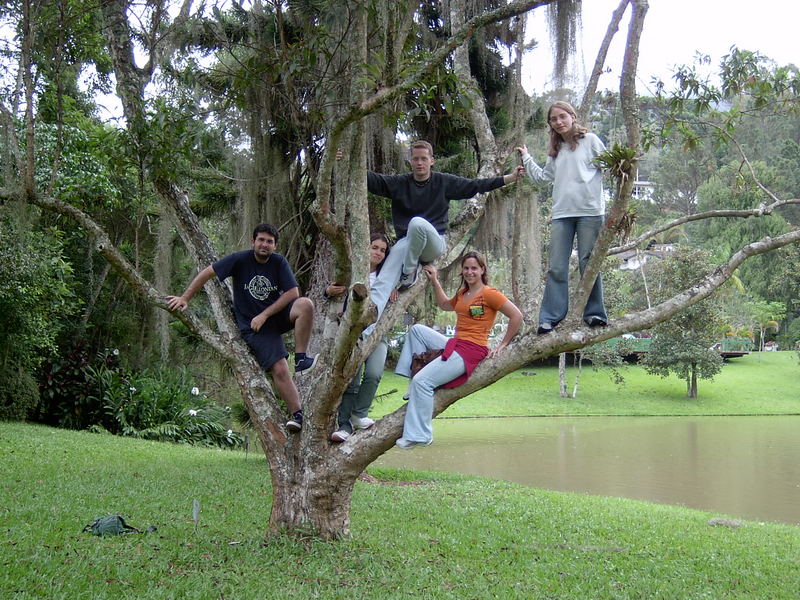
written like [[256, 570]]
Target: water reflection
[[747, 467]]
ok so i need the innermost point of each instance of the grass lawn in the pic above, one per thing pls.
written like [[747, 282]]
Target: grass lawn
[[757, 384], [444, 536]]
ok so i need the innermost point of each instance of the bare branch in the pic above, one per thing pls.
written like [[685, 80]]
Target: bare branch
[[630, 63], [600, 61], [709, 214], [741, 151]]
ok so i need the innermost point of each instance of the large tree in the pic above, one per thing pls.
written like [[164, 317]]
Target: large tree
[[334, 68]]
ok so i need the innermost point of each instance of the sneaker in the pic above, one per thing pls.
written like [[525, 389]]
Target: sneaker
[[406, 280], [305, 363], [544, 328], [340, 436], [596, 322], [296, 422], [361, 422], [408, 444]]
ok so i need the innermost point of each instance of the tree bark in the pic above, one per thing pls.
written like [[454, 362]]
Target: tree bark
[[562, 375], [692, 392]]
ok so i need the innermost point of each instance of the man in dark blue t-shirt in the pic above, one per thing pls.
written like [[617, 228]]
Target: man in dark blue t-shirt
[[267, 304]]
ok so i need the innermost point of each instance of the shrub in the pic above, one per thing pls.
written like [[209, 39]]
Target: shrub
[[36, 297], [69, 392], [161, 405], [19, 394], [80, 392]]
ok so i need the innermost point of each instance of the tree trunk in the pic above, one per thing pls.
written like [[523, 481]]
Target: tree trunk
[[579, 355], [692, 392], [562, 375], [310, 497], [161, 279]]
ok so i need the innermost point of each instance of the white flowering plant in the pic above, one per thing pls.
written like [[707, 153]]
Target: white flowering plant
[[162, 405]]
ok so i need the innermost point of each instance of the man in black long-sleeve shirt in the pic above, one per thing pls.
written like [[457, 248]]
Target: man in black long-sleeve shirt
[[420, 203]]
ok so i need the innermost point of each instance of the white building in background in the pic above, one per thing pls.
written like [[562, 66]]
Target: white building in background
[[642, 191], [636, 258]]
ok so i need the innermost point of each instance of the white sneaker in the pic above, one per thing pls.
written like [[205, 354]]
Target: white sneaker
[[339, 436], [408, 444], [361, 422]]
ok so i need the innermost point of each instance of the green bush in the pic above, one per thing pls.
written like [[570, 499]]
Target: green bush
[[161, 405], [81, 391], [69, 388], [19, 394], [36, 297]]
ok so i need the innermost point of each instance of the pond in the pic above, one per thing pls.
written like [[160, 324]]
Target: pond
[[746, 467]]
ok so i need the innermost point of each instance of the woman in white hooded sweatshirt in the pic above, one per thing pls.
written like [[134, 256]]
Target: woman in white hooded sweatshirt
[[578, 212]]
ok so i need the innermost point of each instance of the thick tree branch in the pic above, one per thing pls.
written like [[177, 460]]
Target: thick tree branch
[[630, 63], [529, 347], [487, 147], [386, 95]]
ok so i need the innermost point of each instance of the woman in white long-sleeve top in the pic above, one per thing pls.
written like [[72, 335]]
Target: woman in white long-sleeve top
[[578, 211]]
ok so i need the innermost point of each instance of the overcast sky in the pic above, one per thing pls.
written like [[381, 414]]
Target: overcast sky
[[674, 31]]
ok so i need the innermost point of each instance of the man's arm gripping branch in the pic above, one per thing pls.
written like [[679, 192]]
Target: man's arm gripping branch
[[515, 175], [182, 301]]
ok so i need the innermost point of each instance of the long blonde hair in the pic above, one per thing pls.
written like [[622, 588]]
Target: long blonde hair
[[577, 132]]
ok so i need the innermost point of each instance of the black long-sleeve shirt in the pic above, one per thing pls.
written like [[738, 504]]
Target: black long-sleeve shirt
[[430, 199]]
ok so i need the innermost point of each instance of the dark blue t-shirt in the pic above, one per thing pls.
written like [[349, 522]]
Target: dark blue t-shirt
[[255, 285]]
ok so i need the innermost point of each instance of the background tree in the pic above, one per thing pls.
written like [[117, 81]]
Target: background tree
[[684, 345], [765, 316], [37, 285]]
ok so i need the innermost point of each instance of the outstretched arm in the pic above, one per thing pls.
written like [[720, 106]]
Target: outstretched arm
[[182, 301], [534, 171], [514, 315], [515, 175]]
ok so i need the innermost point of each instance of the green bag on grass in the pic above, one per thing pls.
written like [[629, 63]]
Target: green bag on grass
[[110, 525]]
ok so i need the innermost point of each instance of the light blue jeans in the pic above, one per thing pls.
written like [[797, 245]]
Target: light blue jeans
[[358, 396], [556, 291], [421, 243], [419, 412]]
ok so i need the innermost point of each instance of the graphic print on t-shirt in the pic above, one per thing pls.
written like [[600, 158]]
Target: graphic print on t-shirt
[[476, 311], [260, 287]]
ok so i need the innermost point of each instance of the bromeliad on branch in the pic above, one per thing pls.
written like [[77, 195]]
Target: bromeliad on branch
[[621, 163]]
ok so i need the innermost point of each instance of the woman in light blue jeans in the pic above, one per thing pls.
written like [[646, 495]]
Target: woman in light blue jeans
[[357, 398], [578, 210], [476, 306]]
